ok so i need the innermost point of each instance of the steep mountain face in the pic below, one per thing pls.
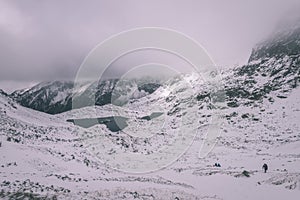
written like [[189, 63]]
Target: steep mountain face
[[56, 97], [49, 97], [272, 71], [284, 42]]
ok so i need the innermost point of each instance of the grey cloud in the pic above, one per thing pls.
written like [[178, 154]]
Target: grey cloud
[[45, 40]]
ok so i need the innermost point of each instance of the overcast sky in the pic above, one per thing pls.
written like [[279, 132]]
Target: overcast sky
[[46, 40]]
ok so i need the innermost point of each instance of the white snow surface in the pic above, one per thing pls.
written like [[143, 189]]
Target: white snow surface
[[44, 155]]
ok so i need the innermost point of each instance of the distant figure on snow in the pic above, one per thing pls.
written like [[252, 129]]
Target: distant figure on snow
[[265, 167], [217, 165]]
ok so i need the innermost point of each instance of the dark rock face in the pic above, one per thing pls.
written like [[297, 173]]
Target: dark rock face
[[149, 87], [3, 93]]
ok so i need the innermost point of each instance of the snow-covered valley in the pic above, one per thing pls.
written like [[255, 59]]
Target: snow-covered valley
[[43, 156], [49, 156]]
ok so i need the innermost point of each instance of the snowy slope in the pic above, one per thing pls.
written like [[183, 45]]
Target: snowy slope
[[42, 156], [264, 131]]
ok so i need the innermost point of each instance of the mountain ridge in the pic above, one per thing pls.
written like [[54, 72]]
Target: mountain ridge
[[55, 97]]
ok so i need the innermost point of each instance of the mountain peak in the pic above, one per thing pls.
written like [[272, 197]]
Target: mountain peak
[[2, 92], [285, 41]]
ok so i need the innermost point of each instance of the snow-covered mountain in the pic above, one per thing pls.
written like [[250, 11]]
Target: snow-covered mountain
[[272, 72], [44, 156], [56, 96]]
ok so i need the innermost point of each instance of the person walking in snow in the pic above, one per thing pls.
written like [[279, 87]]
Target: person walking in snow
[[265, 167], [217, 165]]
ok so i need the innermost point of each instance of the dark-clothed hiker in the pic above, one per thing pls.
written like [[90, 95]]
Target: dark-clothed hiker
[[265, 167], [217, 165]]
